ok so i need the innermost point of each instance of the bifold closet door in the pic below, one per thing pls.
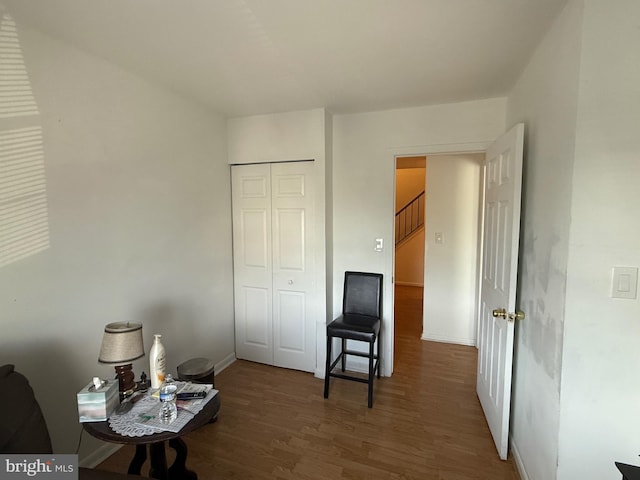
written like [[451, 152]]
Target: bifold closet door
[[273, 263], [252, 267]]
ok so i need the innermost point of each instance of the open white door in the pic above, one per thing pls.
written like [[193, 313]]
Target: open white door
[[503, 184]]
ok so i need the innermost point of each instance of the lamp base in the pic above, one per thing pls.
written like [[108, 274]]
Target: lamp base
[[126, 382]]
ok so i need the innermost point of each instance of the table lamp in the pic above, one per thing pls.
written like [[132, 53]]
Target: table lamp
[[121, 345]]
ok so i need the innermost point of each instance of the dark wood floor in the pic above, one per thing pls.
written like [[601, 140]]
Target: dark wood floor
[[426, 421]]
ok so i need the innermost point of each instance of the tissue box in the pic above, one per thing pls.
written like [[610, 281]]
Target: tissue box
[[95, 405]]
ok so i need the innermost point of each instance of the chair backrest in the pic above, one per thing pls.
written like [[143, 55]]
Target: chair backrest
[[362, 294]]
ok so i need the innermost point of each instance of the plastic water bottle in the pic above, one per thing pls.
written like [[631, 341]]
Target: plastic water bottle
[[168, 408]]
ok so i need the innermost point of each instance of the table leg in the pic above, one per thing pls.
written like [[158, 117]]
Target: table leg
[[158, 461], [178, 471], [138, 460]]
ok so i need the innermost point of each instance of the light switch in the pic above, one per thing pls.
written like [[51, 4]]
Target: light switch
[[379, 245], [439, 238], [624, 282]]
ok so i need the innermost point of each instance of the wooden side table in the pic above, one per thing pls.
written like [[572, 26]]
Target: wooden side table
[[156, 444]]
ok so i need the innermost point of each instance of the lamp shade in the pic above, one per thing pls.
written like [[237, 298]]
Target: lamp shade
[[121, 343]]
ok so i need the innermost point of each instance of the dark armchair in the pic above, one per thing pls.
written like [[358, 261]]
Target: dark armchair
[[23, 429]]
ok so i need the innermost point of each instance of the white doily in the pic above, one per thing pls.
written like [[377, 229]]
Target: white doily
[[132, 424], [126, 425]]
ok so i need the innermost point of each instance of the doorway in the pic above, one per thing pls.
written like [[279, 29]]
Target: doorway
[[449, 253], [409, 249], [491, 330]]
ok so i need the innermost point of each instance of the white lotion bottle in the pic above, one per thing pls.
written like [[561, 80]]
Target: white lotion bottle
[[157, 362]]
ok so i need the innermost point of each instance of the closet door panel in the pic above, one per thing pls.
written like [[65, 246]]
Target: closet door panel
[[252, 258], [256, 304], [291, 309], [292, 225], [291, 240]]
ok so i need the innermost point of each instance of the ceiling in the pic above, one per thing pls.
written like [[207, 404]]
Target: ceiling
[[245, 57]]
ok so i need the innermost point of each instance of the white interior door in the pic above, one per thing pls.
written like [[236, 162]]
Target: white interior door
[[503, 184], [292, 224], [273, 223], [252, 262]]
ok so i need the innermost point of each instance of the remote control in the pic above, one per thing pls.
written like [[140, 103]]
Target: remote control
[[191, 395]]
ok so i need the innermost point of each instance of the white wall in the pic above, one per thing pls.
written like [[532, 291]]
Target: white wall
[[599, 420], [290, 136], [140, 230], [409, 267], [451, 273], [365, 146], [277, 137], [328, 225], [409, 184], [545, 99]]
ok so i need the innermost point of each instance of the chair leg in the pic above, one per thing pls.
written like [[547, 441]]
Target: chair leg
[[379, 357], [328, 365], [343, 362], [371, 363]]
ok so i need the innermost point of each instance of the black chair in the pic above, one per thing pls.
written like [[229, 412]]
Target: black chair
[[360, 320], [629, 472]]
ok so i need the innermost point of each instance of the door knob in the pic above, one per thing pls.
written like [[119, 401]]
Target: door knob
[[502, 313], [290, 282], [499, 313]]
